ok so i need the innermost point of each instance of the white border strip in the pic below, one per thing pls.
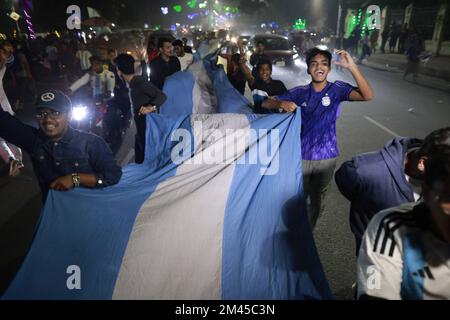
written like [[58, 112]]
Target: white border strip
[[379, 125]]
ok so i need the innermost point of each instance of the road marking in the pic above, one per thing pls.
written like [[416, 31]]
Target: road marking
[[128, 157], [379, 125]]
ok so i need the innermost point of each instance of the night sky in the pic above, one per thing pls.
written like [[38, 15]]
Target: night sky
[[132, 13]]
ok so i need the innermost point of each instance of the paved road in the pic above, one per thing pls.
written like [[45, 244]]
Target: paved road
[[399, 108]]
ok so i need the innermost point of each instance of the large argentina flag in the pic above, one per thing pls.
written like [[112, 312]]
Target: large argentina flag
[[213, 213]]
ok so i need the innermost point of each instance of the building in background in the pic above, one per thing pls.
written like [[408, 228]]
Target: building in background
[[431, 18]]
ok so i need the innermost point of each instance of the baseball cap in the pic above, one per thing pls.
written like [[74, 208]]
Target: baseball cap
[[55, 100]]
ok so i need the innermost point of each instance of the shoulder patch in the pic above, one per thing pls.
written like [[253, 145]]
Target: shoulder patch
[[387, 226]]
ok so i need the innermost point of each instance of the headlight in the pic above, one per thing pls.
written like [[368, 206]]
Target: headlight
[[79, 113]]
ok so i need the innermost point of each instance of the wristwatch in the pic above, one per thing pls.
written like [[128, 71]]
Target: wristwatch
[[76, 180]]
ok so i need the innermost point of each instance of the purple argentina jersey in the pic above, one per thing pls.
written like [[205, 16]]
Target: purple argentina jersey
[[319, 115]]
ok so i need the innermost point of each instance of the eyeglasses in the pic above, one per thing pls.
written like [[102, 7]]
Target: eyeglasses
[[51, 114]]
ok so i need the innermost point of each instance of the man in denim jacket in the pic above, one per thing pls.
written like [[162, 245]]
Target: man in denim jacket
[[63, 158]]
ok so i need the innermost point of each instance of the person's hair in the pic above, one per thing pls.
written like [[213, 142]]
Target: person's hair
[[178, 43], [125, 63], [437, 138], [437, 166], [93, 59], [161, 42], [263, 62], [314, 52]]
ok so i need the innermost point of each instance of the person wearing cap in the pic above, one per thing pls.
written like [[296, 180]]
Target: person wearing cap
[[145, 98], [62, 157], [379, 180]]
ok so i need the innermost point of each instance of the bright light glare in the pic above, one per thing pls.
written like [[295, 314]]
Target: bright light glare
[[79, 113]]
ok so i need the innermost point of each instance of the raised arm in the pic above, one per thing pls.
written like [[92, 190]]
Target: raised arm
[[247, 72], [364, 91], [16, 132], [243, 66]]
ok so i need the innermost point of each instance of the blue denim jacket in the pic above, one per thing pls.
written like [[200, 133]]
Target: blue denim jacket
[[76, 152]]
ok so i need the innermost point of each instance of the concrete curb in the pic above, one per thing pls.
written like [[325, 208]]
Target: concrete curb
[[389, 65]]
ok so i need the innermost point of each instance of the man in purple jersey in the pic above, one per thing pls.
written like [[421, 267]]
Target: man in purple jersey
[[319, 102]]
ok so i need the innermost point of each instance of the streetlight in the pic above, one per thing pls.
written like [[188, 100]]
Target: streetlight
[[338, 40]]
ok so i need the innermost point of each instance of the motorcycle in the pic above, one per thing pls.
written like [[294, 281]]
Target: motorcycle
[[88, 114]]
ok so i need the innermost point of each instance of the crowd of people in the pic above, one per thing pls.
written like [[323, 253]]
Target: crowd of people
[[408, 172], [406, 40]]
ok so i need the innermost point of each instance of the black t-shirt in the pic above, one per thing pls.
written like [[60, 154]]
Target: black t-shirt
[[143, 92], [272, 88], [160, 70]]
